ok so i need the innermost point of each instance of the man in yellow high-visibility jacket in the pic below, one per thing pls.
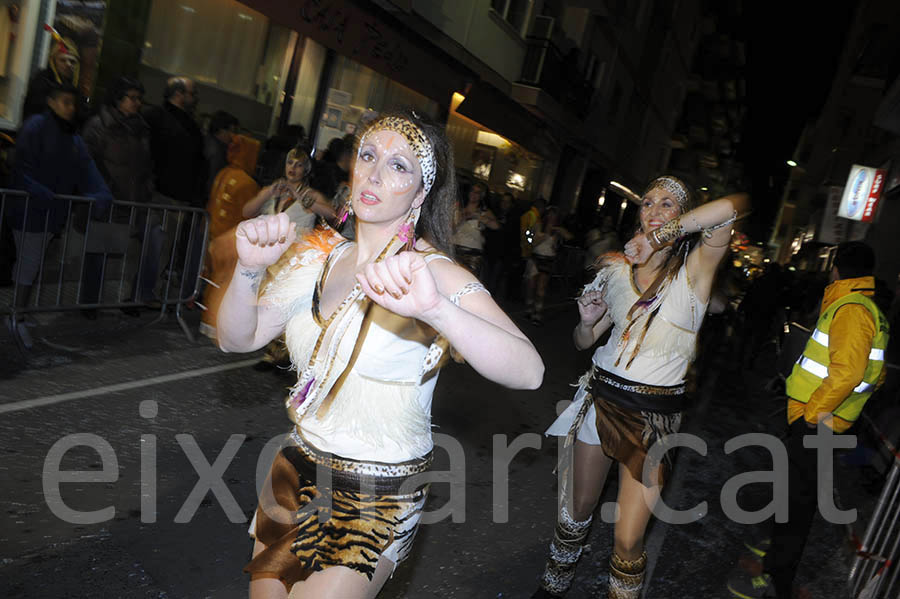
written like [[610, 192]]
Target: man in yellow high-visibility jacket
[[842, 364]]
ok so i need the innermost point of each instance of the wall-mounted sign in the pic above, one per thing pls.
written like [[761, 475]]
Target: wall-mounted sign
[[862, 192]]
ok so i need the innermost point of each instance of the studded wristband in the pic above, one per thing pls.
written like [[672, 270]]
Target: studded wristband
[[670, 231]]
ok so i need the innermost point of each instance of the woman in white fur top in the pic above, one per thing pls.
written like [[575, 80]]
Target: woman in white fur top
[[367, 324]]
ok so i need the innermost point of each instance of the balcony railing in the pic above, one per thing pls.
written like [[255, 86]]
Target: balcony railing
[[546, 68]]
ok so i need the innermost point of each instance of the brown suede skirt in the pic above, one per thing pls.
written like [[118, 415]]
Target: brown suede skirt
[[632, 417], [356, 513]]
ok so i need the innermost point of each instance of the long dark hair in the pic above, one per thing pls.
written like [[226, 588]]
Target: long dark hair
[[436, 219]]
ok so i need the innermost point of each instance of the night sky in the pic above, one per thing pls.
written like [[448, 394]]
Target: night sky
[[792, 56]]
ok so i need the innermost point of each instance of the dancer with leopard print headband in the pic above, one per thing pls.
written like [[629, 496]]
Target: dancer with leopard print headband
[[367, 324], [654, 297]]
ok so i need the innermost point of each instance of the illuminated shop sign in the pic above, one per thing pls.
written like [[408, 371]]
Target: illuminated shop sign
[[862, 192]]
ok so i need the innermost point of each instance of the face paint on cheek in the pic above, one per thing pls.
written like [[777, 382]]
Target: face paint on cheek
[[389, 147], [400, 183]]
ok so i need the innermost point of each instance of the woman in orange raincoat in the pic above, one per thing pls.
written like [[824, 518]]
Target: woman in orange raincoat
[[232, 188]]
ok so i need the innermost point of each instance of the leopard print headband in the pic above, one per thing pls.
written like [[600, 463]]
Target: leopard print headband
[[417, 141]]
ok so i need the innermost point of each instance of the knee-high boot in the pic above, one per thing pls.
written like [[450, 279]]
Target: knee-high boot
[[565, 549], [626, 577]]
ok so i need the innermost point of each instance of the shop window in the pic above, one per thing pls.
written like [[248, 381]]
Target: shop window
[[484, 155], [514, 12], [220, 43], [357, 95]]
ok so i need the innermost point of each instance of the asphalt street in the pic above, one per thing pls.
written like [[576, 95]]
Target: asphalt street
[[166, 413]]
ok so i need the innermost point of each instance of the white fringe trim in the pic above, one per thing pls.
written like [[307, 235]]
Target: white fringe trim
[[375, 411], [663, 338], [368, 409]]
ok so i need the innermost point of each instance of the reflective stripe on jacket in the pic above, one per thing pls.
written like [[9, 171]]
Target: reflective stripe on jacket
[[843, 362]]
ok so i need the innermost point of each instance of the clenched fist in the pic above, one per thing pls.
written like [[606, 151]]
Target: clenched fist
[[591, 307], [638, 250], [261, 240], [402, 284]]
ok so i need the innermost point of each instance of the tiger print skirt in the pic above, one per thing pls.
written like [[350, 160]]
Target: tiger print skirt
[[317, 510]]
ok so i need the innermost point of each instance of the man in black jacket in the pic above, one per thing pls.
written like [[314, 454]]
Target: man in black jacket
[[176, 143]]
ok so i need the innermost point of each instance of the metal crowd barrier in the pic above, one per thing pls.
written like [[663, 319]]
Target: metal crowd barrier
[[137, 255], [876, 573]]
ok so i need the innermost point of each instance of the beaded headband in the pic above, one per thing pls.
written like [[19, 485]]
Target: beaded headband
[[674, 186], [417, 141]]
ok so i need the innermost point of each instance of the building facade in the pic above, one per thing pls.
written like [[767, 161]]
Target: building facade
[[542, 98], [859, 125]]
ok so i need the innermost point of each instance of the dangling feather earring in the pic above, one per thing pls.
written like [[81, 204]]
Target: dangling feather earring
[[407, 231], [347, 210]]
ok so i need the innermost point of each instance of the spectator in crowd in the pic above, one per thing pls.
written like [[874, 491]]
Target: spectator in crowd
[[62, 69], [233, 188], [51, 159], [222, 128], [118, 139], [501, 247], [177, 144], [180, 170], [473, 217]]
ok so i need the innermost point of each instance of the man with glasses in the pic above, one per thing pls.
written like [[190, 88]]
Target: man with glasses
[[118, 138]]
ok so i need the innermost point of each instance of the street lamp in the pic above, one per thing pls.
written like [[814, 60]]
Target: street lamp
[[791, 163]]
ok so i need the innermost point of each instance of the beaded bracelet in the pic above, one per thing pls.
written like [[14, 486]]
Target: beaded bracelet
[[708, 231]]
